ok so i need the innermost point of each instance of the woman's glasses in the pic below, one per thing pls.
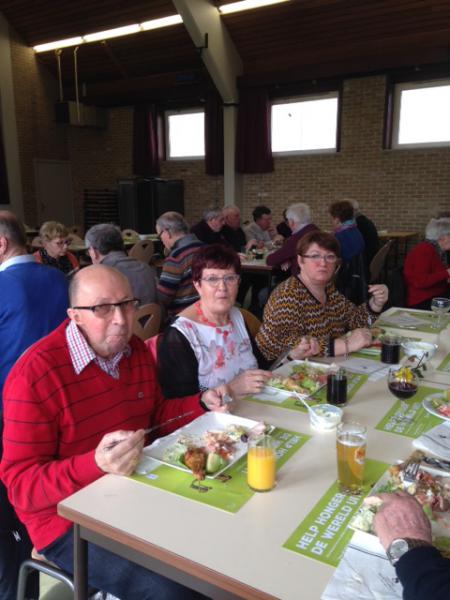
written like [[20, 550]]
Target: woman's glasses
[[106, 310], [228, 280], [329, 258]]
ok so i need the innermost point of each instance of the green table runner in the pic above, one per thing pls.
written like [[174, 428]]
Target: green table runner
[[354, 382], [228, 493], [445, 365], [324, 534], [411, 420]]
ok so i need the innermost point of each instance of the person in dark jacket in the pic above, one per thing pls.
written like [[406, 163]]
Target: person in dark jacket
[[368, 231], [232, 230], [405, 533], [209, 229]]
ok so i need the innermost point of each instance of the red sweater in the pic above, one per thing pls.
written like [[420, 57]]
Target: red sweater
[[425, 274], [54, 420]]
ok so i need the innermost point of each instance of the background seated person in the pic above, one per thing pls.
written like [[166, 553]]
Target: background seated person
[[426, 271], [175, 288], [209, 342], [261, 229], [209, 229], [54, 252], [346, 230], [298, 217], [368, 231], [308, 315], [232, 230], [405, 534], [88, 384], [105, 246], [283, 228]]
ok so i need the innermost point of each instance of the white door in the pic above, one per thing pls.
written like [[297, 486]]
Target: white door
[[54, 190]]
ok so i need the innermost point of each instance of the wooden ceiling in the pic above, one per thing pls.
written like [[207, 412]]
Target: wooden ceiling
[[284, 43]]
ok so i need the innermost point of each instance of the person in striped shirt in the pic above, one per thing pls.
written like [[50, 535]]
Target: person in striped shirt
[[175, 288]]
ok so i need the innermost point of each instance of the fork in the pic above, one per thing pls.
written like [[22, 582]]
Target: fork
[[410, 472]]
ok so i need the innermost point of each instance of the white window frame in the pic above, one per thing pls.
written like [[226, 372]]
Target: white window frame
[[169, 113], [399, 88], [308, 98]]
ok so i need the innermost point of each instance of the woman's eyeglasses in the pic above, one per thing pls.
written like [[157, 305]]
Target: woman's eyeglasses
[[228, 280], [107, 309], [329, 258]]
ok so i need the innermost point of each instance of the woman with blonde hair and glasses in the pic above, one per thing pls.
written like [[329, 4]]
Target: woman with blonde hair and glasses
[[54, 252], [208, 344], [308, 316]]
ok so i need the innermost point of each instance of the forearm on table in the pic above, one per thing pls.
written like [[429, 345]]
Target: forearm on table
[[424, 574]]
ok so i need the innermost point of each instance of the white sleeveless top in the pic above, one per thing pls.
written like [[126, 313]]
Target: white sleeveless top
[[222, 352]]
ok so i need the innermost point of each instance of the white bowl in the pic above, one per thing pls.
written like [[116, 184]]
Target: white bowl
[[326, 417], [419, 349]]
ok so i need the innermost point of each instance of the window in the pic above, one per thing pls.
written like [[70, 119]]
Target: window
[[185, 134], [308, 124], [422, 114]]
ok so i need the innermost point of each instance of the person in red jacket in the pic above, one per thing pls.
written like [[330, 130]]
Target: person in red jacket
[[426, 271], [75, 407]]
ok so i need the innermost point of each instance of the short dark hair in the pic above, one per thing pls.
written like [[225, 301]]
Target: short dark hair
[[12, 229], [105, 238], [343, 210], [214, 256], [259, 211], [322, 239]]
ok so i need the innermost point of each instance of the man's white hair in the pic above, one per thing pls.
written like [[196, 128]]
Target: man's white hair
[[299, 213], [437, 228]]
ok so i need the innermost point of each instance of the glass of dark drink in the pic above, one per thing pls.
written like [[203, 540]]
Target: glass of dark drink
[[337, 387], [402, 383], [390, 349]]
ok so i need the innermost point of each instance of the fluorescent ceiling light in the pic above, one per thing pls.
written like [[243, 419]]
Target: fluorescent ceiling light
[[164, 22], [110, 33], [246, 5], [75, 41]]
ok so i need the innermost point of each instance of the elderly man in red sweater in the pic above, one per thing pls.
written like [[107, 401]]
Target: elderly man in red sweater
[[75, 407]]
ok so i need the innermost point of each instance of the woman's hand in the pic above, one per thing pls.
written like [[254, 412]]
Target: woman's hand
[[249, 382], [359, 338], [308, 346], [379, 295]]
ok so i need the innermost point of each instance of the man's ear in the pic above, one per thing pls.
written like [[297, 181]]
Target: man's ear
[[73, 315], [3, 245]]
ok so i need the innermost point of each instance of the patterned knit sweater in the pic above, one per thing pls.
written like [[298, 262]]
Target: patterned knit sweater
[[54, 420], [293, 312]]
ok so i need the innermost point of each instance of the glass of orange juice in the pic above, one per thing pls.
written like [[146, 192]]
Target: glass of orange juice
[[351, 453], [261, 464]]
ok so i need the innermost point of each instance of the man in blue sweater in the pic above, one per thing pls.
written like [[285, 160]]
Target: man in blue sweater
[[33, 302]]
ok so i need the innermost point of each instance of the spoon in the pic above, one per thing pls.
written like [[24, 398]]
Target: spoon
[[303, 401]]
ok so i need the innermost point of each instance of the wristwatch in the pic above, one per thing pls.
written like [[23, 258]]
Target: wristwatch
[[400, 546]]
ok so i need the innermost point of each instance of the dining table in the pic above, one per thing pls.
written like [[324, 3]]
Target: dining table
[[244, 554]]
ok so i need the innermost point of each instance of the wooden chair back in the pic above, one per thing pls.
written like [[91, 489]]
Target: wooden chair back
[[76, 239], [379, 260], [36, 242], [142, 250], [76, 230], [147, 320], [252, 322], [130, 235]]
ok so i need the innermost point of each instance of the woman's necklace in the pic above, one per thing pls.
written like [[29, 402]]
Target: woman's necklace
[[203, 319]]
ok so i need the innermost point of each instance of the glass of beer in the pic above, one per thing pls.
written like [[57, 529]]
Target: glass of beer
[[351, 453], [261, 463]]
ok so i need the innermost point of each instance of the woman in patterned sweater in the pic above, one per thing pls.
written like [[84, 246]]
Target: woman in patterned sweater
[[307, 314]]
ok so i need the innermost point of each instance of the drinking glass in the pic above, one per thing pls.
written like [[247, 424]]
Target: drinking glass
[[390, 349], [439, 306], [403, 384], [261, 463], [351, 441]]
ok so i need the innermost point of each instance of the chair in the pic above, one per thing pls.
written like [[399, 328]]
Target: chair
[[129, 235], [253, 323], [37, 562], [379, 260], [76, 239], [351, 279], [142, 250], [147, 320], [36, 242], [397, 288], [76, 230]]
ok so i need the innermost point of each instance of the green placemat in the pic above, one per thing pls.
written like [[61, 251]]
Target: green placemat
[[427, 316], [445, 365], [413, 421], [227, 494], [370, 354], [324, 534], [354, 382]]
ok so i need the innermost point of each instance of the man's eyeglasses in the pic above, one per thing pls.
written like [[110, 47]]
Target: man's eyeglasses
[[158, 235], [228, 280], [107, 309], [329, 258]]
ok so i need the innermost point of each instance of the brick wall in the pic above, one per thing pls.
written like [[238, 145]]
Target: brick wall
[[397, 188]]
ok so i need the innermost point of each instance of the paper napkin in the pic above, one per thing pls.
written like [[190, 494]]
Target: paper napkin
[[436, 441]]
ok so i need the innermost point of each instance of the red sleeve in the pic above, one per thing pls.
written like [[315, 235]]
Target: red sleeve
[[36, 481], [423, 267]]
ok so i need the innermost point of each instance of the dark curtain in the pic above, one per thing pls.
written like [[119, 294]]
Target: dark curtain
[[213, 134], [253, 140], [145, 141], [4, 191]]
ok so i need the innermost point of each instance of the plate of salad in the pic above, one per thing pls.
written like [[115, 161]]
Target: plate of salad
[[438, 405], [301, 376], [431, 491]]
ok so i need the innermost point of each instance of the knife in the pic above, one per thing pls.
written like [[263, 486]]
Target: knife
[[278, 361], [439, 463]]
